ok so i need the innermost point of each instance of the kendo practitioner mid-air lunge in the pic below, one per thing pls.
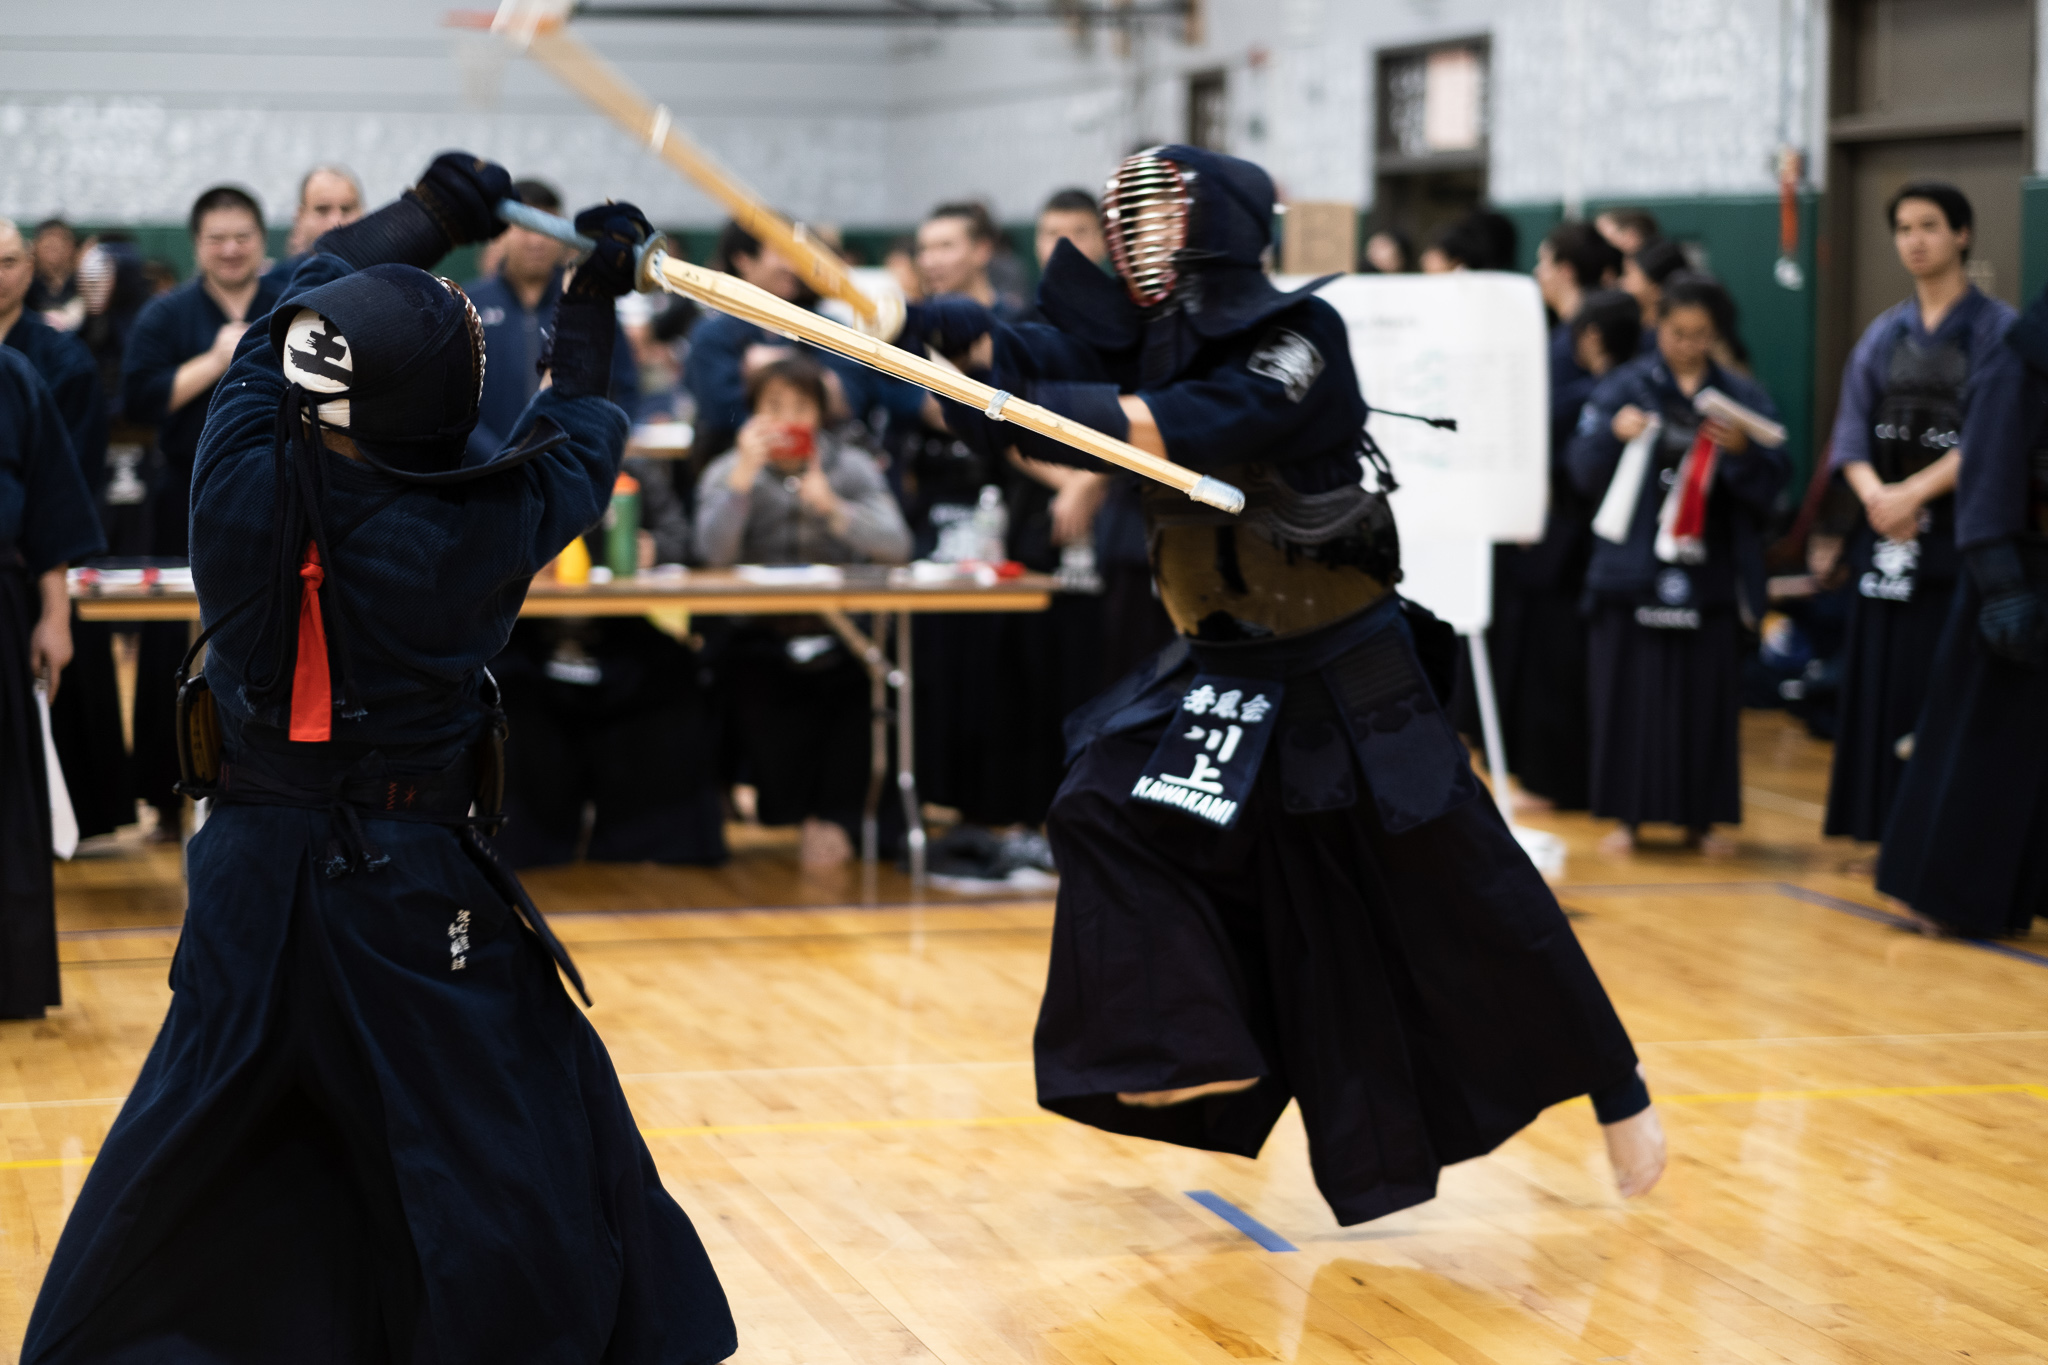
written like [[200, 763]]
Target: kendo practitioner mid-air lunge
[[1909, 394], [374, 1126], [1279, 878]]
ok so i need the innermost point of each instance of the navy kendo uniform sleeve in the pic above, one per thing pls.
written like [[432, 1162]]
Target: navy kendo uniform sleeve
[[150, 363], [1286, 385], [1595, 450], [46, 511]]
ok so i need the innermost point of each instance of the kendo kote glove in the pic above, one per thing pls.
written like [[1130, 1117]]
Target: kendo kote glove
[[2010, 620], [949, 324], [619, 230], [580, 352], [454, 204]]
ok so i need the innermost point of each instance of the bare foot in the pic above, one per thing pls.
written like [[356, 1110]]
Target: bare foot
[[1530, 803], [1620, 843], [1932, 928], [823, 846], [1635, 1149], [1159, 1099], [1712, 845]]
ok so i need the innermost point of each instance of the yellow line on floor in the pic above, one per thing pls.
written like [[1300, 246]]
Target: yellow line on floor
[[851, 1126], [1034, 1120]]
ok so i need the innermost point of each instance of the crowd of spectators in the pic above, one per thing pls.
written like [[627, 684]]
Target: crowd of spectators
[[799, 456]]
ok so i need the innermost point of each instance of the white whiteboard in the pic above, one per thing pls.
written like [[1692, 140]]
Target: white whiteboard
[[1470, 345]]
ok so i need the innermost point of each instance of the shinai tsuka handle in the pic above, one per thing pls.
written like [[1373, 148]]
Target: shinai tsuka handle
[[729, 294]]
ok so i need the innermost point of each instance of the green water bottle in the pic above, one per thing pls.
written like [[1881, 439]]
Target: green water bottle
[[622, 528]]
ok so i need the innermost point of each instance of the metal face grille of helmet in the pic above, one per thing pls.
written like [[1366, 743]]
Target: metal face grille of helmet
[[1145, 217]]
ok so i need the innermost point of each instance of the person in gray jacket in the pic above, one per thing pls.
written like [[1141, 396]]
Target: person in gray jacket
[[791, 492]]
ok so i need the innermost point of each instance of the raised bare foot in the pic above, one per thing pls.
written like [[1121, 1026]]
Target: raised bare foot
[[1635, 1149], [1160, 1099], [1620, 842]]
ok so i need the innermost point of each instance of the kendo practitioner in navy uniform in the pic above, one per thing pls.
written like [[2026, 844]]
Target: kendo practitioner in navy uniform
[[46, 522], [1665, 644], [1908, 394], [1966, 846], [375, 1127], [1278, 877]]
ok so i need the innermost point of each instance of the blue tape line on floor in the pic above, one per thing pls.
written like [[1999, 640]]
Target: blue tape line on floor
[[1242, 1221]]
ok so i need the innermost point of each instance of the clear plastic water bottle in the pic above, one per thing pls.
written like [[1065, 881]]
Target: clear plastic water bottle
[[992, 526]]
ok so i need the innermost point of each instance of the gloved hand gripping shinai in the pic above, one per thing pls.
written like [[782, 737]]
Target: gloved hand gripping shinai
[[580, 353], [454, 204]]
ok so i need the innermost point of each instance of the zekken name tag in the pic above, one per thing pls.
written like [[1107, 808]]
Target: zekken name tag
[[1205, 765]]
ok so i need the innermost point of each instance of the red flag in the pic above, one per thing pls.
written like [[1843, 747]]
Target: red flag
[[312, 693], [1682, 521]]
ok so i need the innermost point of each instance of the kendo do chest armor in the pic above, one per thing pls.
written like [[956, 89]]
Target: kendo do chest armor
[[1289, 563], [1918, 421]]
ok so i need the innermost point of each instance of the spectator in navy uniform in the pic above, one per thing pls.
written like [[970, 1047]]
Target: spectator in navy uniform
[[180, 347], [517, 305], [1664, 661], [46, 522], [86, 720], [56, 275]]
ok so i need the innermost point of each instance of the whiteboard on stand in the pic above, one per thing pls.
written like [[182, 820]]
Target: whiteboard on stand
[[1472, 346]]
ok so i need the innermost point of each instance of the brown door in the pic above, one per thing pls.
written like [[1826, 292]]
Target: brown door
[[1919, 90]]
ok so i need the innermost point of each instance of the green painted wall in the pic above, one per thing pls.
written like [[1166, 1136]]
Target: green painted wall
[[1738, 236], [2033, 237]]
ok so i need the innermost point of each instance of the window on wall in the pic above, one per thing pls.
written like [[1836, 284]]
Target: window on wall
[[1429, 161], [1208, 111]]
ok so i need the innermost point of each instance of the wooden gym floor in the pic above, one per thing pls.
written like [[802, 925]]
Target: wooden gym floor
[[840, 1095]]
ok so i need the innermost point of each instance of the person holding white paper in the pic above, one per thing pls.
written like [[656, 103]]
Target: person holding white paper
[[46, 522], [1669, 588]]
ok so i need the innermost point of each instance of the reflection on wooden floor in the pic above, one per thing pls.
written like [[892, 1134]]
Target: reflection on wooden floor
[[841, 1097]]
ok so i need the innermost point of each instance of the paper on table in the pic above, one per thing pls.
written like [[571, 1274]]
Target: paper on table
[[1618, 508], [63, 820], [790, 575]]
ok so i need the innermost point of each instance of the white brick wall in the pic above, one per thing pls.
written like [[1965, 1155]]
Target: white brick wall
[[124, 109]]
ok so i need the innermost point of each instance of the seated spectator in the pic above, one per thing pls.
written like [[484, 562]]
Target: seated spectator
[[790, 491], [725, 350]]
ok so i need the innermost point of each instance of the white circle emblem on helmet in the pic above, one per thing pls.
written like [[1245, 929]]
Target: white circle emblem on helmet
[[317, 358]]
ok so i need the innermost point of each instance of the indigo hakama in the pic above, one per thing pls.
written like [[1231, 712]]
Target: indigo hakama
[[1907, 399], [374, 1126], [46, 519], [1664, 657]]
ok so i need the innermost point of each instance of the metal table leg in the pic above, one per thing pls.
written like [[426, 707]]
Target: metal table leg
[[906, 751], [872, 654]]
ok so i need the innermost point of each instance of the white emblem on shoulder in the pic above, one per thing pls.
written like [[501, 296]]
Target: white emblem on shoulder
[[458, 942], [1290, 359]]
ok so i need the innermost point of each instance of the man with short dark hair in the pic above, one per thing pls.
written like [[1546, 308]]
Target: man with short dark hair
[[1074, 215], [180, 347], [56, 261], [955, 244], [517, 305], [1629, 229]]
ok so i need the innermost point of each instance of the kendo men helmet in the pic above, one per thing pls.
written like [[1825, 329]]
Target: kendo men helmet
[[391, 356], [1173, 209]]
